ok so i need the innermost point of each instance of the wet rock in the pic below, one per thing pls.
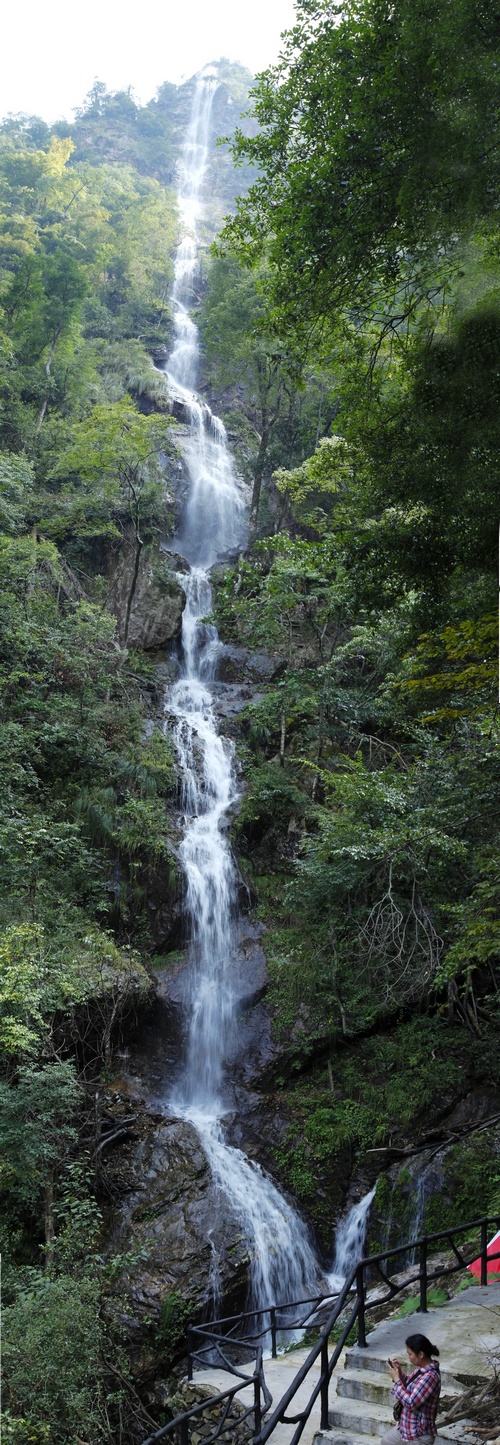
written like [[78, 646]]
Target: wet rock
[[166, 674], [175, 561], [418, 1195], [238, 664], [165, 909], [251, 1054], [180, 408], [158, 599], [171, 1215], [229, 699], [477, 1106], [247, 974], [160, 354]]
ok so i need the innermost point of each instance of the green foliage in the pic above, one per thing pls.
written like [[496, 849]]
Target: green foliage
[[85, 270], [85, 276], [385, 1086], [175, 1313], [37, 1127], [435, 1298], [470, 1184], [16, 481], [478, 922], [51, 1340], [271, 798], [264, 380], [366, 163], [19, 1430]]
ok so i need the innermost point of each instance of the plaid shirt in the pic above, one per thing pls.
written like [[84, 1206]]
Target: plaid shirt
[[419, 1396]]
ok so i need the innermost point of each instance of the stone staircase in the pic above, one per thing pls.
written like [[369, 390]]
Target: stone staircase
[[467, 1332], [362, 1406]]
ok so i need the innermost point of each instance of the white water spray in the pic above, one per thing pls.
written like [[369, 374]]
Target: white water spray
[[350, 1241], [284, 1266]]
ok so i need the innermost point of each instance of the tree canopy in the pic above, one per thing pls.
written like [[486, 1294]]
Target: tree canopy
[[377, 147]]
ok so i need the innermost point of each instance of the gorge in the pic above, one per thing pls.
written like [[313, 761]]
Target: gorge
[[249, 990]]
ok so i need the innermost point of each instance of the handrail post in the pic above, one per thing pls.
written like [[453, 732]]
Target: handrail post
[[274, 1346], [423, 1277], [324, 1386], [257, 1410], [189, 1333], [484, 1251], [360, 1291], [184, 1432]]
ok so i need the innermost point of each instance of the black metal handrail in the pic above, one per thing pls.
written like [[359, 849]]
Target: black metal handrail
[[262, 1400], [225, 1328], [212, 1352], [357, 1281], [219, 1339]]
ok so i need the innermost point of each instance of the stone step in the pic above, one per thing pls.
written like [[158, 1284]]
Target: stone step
[[360, 1417], [368, 1359], [372, 1387], [360, 1385], [352, 1436], [376, 1363], [342, 1437]]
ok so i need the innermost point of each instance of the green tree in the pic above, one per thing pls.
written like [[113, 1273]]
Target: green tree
[[16, 483], [114, 458], [376, 149], [236, 345], [42, 301], [37, 1130]]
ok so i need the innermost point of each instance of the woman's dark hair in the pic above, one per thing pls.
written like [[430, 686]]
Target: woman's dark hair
[[421, 1345]]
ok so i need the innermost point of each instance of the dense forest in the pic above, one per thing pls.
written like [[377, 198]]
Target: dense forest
[[350, 321]]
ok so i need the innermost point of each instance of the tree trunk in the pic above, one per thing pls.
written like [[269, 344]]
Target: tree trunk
[[282, 737], [48, 366], [321, 720], [257, 487], [49, 1221], [138, 549]]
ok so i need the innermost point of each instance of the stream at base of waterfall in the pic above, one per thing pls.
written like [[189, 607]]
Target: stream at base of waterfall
[[284, 1266]]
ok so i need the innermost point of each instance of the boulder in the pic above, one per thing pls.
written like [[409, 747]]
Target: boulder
[[229, 699], [160, 354], [174, 560], [238, 664]]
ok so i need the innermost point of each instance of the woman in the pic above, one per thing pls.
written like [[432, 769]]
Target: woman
[[417, 1393]]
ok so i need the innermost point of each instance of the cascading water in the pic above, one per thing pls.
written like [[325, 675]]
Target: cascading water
[[284, 1266], [350, 1241]]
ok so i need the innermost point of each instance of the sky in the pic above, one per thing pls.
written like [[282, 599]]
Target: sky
[[52, 50]]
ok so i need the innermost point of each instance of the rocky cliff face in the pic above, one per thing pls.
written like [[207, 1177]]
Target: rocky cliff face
[[154, 599], [169, 1215]]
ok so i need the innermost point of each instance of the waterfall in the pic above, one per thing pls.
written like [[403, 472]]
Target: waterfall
[[350, 1241], [283, 1263], [427, 1184], [215, 517]]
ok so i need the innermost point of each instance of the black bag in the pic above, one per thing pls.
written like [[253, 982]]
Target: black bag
[[397, 1410]]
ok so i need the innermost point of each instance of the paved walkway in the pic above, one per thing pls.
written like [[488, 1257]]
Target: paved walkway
[[279, 1375]]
